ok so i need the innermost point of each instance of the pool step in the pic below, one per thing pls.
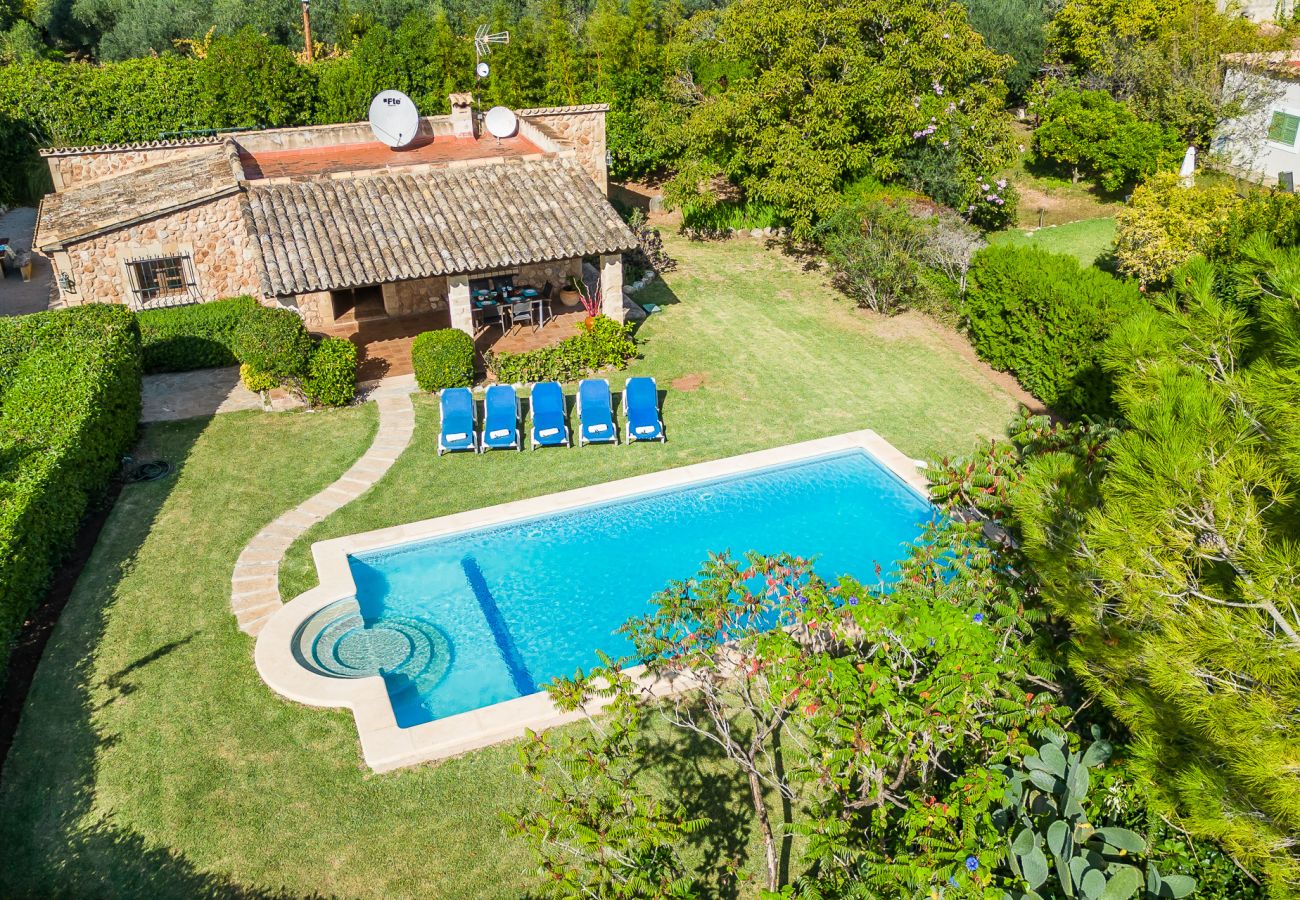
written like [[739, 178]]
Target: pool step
[[338, 642]]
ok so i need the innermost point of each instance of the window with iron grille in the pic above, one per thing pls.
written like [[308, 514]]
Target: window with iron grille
[[163, 280]]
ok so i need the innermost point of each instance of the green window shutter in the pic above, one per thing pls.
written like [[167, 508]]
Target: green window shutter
[[1283, 128]]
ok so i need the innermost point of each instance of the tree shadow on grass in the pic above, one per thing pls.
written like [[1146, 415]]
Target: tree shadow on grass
[[698, 775], [54, 844]]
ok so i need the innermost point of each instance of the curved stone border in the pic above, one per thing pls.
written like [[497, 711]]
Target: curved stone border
[[255, 584]]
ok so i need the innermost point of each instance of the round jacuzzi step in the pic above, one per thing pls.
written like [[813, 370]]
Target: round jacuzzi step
[[338, 642]]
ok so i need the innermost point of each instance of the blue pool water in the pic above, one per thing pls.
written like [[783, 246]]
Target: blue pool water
[[472, 619]]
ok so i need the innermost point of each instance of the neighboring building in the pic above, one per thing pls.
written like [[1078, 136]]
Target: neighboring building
[[1265, 143], [327, 221], [1260, 10]]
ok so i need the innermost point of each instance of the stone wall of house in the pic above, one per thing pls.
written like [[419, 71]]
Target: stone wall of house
[[557, 272], [584, 129], [212, 234], [74, 168], [404, 298], [316, 309]]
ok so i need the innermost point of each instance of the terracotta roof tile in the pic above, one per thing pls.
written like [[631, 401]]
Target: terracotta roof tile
[[334, 233], [108, 203]]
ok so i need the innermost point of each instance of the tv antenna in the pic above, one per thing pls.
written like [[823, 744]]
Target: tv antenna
[[483, 41]]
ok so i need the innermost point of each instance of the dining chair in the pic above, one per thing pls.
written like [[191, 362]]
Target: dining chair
[[492, 314], [522, 311]]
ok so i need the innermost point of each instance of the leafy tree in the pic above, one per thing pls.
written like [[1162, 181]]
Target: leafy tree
[[792, 101], [1165, 224], [597, 830], [1173, 556], [1014, 28], [1094, 135], [248, 81], [1164, 58], [877, 710]]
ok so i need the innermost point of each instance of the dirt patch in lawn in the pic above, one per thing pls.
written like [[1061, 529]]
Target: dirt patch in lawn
[[1059, 205], [691, 382]]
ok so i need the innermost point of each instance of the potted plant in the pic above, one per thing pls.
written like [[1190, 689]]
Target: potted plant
[[571, 293]]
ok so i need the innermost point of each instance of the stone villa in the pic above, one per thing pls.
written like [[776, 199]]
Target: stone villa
[[330, 222]]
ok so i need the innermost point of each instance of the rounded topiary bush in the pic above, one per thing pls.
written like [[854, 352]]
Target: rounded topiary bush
[[274, 342], [443, 359], [332, 373]]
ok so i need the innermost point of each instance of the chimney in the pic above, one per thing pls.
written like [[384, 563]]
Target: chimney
[[462, 115]]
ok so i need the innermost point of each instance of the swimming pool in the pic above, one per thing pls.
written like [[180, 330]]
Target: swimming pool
[[469, 614]]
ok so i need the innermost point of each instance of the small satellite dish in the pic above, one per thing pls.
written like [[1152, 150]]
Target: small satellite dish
[[394, 118], [501, 122], [481, 70]]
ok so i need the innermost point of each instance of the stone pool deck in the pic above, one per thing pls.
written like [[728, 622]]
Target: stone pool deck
[[255, 583]]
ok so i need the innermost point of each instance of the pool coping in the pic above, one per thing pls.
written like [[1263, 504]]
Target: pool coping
[[384, 744]]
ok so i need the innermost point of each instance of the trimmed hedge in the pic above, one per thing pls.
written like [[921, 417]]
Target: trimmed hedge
[[69, 405], [199, 336], [331, 378], [600, 342], [1044, 318], [443, 358], [273, 341]]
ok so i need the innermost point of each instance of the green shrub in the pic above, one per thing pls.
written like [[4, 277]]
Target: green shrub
[[200, 336], [273, 341], [600, 342], [69, 404], [332, 373], [257, 381], [1090, 133], [1043, 318], [443, 358], [731, 214]]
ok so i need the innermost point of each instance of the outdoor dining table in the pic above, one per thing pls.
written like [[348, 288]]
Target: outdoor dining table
[[485, 299]]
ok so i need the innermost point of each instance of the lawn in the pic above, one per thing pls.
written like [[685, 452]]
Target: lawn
[[152, 761], [1087, 240]]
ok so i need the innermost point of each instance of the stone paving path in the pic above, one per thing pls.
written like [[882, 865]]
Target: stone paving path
[[255, 584], [204, 392]]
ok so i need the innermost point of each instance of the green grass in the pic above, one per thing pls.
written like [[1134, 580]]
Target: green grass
[[152, 760], [1087, 241]]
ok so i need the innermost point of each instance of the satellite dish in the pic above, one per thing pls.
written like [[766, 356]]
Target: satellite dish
[[482, 70], [501, 122], [394, 118]]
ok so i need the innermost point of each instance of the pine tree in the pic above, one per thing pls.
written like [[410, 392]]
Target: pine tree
[[1175, 557]]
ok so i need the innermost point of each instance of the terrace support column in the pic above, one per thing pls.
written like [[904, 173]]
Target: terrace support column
[[458, 303], [611, 286]]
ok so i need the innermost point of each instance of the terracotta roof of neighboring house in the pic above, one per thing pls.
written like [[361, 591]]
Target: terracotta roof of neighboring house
[[206, 140], [561, 110], [323, 234], [94, 207], [1281, 63]]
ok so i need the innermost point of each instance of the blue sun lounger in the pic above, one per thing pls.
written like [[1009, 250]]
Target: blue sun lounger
[[595, 413], [550, 424], [641, 409], [500, 419], [457, 433]]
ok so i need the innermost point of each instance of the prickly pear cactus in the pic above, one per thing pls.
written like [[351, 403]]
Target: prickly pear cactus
[[1053, 847]]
